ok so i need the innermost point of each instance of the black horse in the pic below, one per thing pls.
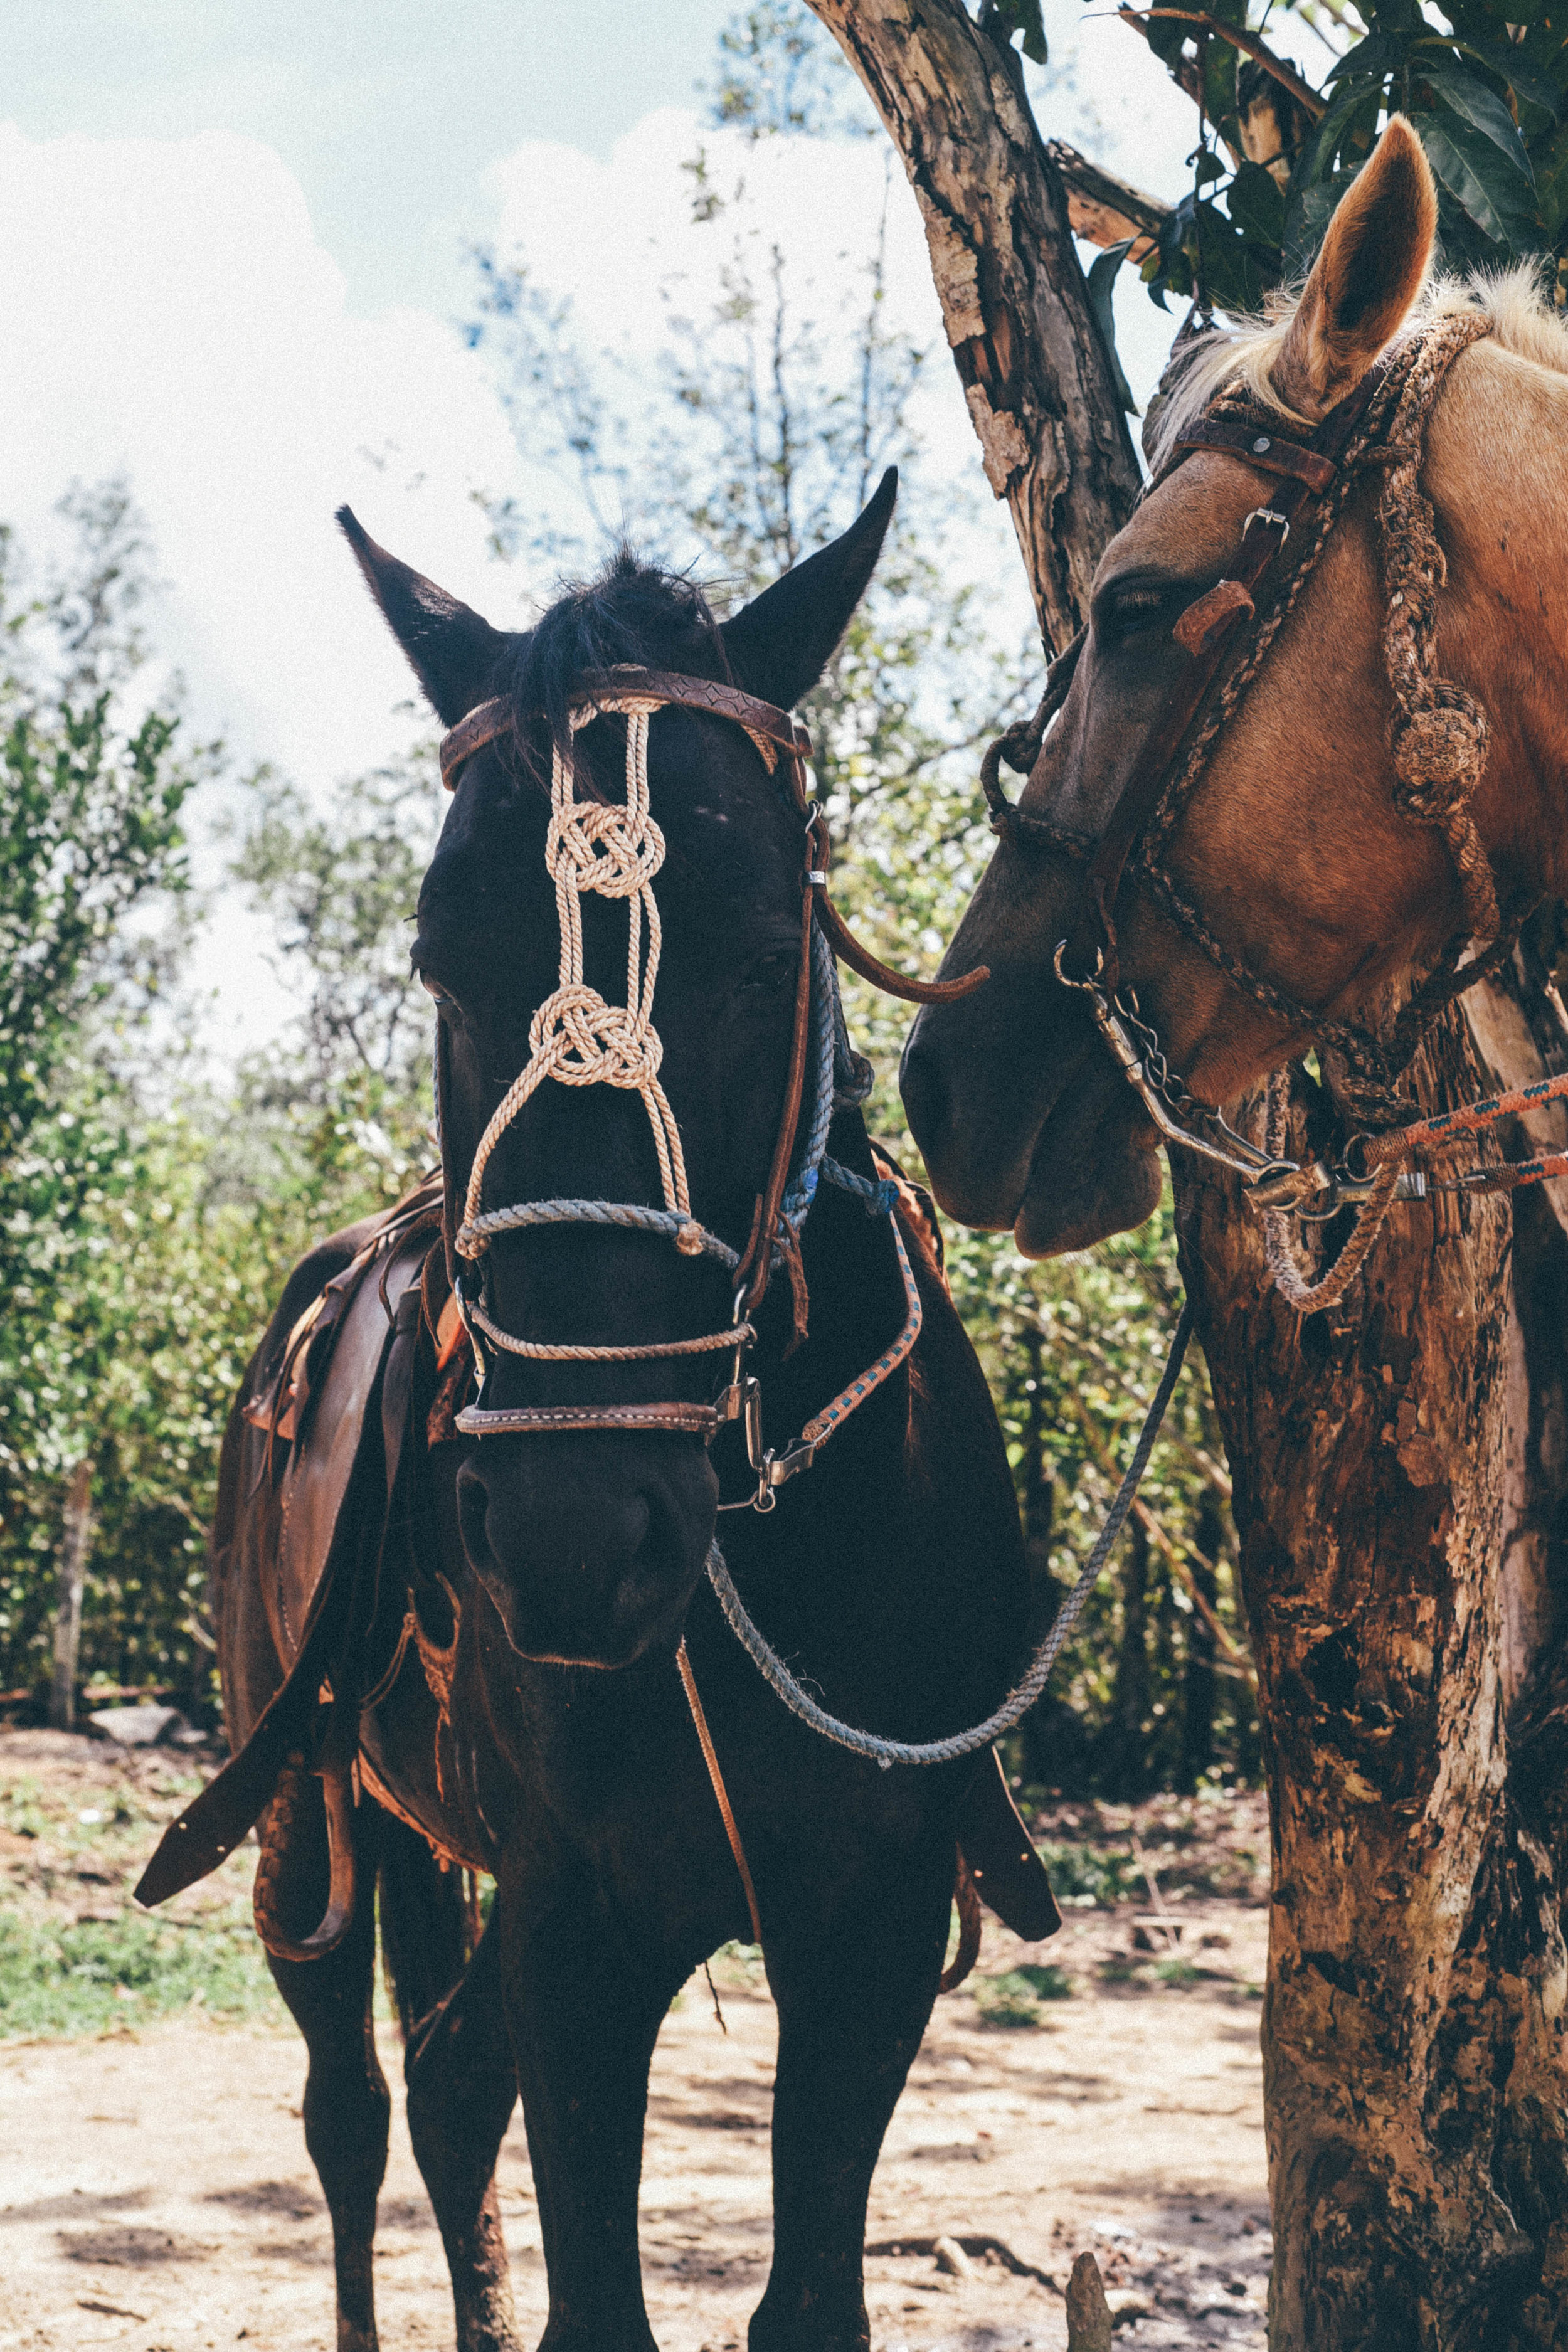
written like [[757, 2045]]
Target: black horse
[[478, 1586]]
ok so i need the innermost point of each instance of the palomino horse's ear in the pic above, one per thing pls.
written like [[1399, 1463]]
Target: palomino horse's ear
[[1373, 265], [454, 654], [781, 643]]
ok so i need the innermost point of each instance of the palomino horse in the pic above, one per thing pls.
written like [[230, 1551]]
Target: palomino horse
[[1386, 790], [457, 1577]]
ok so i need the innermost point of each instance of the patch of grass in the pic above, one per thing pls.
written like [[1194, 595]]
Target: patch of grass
[[23, 1815], [1176, 1971], [94, 1976], [1050, 1983], [1014, 2000]]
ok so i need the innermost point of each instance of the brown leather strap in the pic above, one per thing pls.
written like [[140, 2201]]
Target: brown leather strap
[[483, 724], [1265, 535], [715, 1775], [704, 694], [536, 1420], [489, 720], [751, 1274], [1266, 451]]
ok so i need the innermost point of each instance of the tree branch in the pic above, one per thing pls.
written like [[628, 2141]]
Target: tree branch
[[1104, 209], [1024, 338], [1248, 43]]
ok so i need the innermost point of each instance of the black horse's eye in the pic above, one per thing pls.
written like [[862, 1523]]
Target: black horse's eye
[[434, 990], [772, 972]]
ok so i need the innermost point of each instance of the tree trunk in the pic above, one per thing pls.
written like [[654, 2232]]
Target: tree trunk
[[1014, 300], [74, 1552], [1412, 2032]]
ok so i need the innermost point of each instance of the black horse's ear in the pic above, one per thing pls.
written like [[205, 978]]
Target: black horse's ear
[[781, 643], [455, 653]]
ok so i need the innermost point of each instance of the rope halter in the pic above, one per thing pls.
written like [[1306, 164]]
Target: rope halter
[[576, 1036]]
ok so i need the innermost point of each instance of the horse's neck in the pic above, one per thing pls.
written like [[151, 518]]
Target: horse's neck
[[1501, 492]]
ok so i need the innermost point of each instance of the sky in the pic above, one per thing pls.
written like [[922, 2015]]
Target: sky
[[236, 265]]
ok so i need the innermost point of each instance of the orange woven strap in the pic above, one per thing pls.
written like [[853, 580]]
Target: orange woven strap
[[1451, 1126], [710, 1757]]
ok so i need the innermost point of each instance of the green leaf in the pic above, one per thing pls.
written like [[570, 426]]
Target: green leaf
[[1482, 182], [1101, 281], [1255, 203], [1007, 18], [1357, 98], [1480, 107], [1530, 88], [1552, 184], [1374, 59], [1166, 35]]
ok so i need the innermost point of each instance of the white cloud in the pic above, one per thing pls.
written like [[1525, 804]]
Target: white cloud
[[167, 311]]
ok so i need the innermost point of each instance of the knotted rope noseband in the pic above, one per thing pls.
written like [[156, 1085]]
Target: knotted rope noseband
[[616, 850]]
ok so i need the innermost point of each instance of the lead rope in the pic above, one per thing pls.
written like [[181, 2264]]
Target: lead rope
[[1022, 1697]]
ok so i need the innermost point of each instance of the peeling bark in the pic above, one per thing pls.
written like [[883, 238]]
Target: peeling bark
[[1024, 340], [1400, 1480]]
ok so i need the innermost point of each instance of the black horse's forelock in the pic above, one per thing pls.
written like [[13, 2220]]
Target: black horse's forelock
[[631, 611]]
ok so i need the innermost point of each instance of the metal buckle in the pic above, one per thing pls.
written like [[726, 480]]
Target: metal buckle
[[1267, 514]]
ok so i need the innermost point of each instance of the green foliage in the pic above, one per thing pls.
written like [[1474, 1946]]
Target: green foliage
[[145, 1227], [1010, 2001], [97, 1976], [1486, 96]]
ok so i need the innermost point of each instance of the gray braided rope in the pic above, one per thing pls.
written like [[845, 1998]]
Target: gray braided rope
[[629, 1213], [796, 1202], [1022, 1697]]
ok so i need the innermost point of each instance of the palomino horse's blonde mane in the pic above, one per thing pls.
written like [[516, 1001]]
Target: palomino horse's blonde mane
[[1523, 321]]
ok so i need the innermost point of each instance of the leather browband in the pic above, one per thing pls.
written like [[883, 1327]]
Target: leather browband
[[1266, 451], [488, 720]]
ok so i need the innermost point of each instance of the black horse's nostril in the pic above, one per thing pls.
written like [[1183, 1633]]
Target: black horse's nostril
[[587, 1558]]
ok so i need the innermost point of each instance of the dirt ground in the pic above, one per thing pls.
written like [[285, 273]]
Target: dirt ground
[[155, 2192]]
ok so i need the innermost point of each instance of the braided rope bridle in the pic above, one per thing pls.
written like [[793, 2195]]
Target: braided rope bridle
[[1437, 738], [616, 850]]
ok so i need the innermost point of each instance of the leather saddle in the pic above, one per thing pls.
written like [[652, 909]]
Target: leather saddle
[[334, 1387]]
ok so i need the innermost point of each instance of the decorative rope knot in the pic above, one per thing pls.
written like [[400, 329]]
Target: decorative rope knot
[[581, 1041], [1438, 755], [602, 849]]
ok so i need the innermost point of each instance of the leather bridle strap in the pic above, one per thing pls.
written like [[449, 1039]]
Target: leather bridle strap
[[1205, 630]]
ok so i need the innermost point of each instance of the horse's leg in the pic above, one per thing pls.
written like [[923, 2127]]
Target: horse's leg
[[852, 2008], [583, 2015], [462, 2081], [347, 2104]]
